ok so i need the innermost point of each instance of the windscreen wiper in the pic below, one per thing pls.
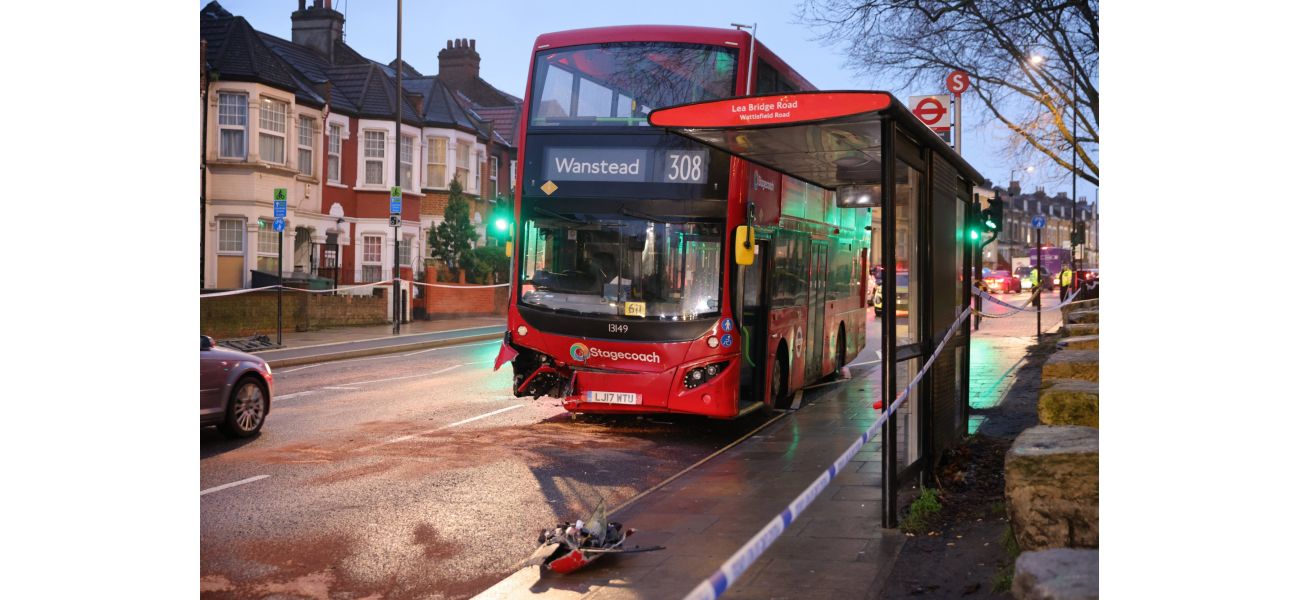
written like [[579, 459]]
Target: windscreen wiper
[[640, 215], [555, 215]]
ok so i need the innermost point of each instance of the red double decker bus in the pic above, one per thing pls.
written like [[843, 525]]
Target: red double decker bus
[[628, 295]]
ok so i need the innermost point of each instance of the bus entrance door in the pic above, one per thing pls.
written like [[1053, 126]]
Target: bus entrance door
[[754, 344], [816, 311]]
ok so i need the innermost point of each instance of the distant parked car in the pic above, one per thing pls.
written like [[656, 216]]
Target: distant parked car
[[1002, 282], [234, 389], [1087, 275], [900, 296]]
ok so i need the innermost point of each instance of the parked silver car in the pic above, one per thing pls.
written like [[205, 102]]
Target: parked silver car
[[234, 389]]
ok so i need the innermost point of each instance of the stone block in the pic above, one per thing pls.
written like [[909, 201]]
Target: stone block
[[1080, 342], [1083, 316], [1057, 574], [1080, 329], [1073, 364], [1052, 487], [1069, 402]]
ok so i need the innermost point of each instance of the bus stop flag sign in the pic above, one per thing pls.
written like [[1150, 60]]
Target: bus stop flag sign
[[935, 112]]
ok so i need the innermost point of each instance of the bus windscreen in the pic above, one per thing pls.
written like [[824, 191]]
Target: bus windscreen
[[619, 84], [624, 267]]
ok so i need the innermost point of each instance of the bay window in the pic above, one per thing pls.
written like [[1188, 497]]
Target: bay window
[[372, 258], [268, 247], [306, 129], [335, 150], [462, 163], [436, 163], [406, 156], [374, 150], [273, 122], [232, 125]]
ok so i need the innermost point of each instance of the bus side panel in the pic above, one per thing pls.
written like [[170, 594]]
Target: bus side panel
[[788, 325]]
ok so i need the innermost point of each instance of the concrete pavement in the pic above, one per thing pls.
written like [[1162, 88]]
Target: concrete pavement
[[307, 347]]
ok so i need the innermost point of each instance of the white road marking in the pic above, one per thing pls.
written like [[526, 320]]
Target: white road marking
[[440, 372], [450, 347], [428, 431], [878, 355], [233, 484], [293, 395], [483, 416], [864, 363], [335, 387]]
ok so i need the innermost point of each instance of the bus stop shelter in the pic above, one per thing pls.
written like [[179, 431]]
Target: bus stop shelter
[[877, 156]]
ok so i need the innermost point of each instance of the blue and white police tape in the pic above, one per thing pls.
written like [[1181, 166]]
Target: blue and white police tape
[[294, 289], [735, 566], [466, 286], [1024, 307]]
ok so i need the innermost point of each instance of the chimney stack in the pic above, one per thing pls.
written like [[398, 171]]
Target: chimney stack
[[317, 27], [459, 61]]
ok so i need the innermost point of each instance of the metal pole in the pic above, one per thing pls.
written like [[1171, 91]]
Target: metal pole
[[279, 290], [889, 341], [1074, 178], [397, 170], [1042, 277]]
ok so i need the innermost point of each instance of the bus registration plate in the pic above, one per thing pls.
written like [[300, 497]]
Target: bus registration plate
[[614, 397]]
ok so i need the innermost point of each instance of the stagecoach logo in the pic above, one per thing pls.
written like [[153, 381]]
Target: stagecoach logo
[[763, 184], [580, 352]]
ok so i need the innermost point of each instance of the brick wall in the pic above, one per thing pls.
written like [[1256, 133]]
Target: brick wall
[[441, 302], [254, 313]]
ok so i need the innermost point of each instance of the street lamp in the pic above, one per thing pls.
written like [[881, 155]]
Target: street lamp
[[1035, 60]]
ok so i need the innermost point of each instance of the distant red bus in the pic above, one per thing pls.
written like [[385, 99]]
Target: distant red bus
[[627, 296]]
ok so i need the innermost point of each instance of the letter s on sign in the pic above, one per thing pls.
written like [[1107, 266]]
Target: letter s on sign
[[958, 82]]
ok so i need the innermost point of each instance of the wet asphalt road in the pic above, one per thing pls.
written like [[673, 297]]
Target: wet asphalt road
[[418, 475]]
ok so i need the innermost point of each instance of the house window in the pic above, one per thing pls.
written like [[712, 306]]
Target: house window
[[436, 168], [230, 235], [372, 257], [268, 247], [492, 175], [478, 167], [404, 251], [232, 122], [462, 163], [306, 129], [512, 175], [375, 141], [335, 149], [273, 122], [407, 157]]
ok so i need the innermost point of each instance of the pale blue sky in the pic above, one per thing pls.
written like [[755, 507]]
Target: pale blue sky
[[505, 31]]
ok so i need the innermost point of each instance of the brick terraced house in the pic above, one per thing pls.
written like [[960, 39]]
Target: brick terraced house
[[315, 117]]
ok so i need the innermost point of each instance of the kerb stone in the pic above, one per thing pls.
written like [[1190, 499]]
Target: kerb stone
[[1072, 364], [1080, 342], [1057, 574], [1052, 487], [1083, 316], [1069, 402], [1081, 329]]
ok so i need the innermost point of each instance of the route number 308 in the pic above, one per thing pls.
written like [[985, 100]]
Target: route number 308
[[686, 167]]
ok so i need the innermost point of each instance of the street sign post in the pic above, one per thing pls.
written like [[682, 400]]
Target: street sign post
[[935, 112], [280, 200], [1038, 222], [394, 220], [957, 82]]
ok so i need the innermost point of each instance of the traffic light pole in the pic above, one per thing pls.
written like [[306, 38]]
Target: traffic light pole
[[1038, 288]]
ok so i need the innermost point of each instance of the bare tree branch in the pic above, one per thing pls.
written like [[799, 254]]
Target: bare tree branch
[[1039, 104]]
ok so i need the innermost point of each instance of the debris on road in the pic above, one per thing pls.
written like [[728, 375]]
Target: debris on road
[[569, 547]]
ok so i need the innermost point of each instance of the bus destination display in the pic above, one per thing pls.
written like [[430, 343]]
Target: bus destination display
[[626, 165]]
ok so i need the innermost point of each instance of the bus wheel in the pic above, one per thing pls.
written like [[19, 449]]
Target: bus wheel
[[780, 381], [840, 351]]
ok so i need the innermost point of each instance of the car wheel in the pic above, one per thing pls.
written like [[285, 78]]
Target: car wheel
[[246, 411]]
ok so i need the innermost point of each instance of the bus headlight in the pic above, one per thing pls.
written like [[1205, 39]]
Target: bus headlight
[[697, 376]]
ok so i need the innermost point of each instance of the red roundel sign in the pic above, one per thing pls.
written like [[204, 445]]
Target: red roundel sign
[[930, 111], [958, 82]]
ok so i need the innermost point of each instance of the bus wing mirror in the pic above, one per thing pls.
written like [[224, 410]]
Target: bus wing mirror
[[744, 245]]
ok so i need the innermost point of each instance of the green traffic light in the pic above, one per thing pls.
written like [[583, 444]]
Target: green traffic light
[[502, 225], [974, 234]]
